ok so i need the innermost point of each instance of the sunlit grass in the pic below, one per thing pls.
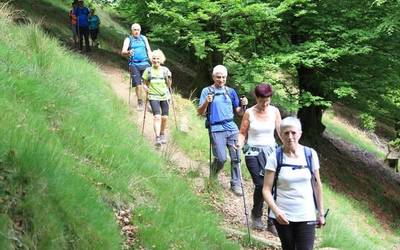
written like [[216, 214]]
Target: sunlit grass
[[71, 156], [351, 135]]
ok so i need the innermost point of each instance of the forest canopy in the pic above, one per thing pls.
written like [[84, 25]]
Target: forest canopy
[[315, 53]]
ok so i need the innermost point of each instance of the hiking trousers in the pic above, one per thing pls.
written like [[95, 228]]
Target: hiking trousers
[[84, 34], [220, 141], [296, 235], [254, 168]]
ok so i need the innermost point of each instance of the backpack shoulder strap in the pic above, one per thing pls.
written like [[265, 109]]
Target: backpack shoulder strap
[[165, 74], [211, 90], [279, 159], [309, 159], [308, 155], [130, 42], [144, 39], [148, 70]]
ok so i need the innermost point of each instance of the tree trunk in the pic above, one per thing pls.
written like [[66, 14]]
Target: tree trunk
[[310, 117]]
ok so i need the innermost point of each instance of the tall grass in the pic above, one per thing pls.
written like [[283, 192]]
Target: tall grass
[[350, 225], [350, 135], [69, 155]]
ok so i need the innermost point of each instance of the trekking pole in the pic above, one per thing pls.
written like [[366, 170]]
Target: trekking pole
[[208, 126], [145, 111], [173, 108], [244, 198], [316, 223], [130, 86]]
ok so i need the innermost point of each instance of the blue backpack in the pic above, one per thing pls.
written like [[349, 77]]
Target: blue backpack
[[279, 159]]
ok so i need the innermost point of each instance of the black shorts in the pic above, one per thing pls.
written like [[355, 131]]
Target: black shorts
[[94, 33], [157, 105]]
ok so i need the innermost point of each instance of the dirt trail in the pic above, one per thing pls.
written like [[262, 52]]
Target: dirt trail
[[230, 206]]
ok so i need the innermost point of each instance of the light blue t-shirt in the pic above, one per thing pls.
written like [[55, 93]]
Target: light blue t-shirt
[[222, 108], [94, 22], [140, 57]]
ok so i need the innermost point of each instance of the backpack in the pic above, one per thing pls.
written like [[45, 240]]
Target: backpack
[[211, 90], [142, 38], [279, 159], [164, 71]]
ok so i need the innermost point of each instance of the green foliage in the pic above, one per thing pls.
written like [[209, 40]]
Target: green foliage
[[395, 143], [344, 230], [367, 122], [348, 51], [71, 155]]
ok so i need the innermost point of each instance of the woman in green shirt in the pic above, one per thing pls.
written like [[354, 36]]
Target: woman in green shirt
[[158, 80]]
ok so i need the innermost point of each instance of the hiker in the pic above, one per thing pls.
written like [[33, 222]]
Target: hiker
[[73, 22], [137, 48], [392, 156], [158, 80], [82, 13], [221, 102], [293, 206], [256, 137], [94, 23]]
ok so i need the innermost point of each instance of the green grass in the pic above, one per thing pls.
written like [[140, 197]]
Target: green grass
[[350, 224], [344, 132], [195, 142], [69, 155]]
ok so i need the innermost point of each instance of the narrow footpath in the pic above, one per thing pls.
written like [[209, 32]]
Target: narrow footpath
[[230, 206]]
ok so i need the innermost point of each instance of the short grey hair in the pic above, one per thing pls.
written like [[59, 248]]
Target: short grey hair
[[220, 69], [290, 121], [137, 25]]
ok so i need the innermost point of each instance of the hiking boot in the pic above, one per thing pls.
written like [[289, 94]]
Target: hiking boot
[[163, 139], [271, 228], [237, 190], [158, 141], [257, 223]]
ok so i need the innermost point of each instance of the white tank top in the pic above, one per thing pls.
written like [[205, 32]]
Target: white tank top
[[261, 132]]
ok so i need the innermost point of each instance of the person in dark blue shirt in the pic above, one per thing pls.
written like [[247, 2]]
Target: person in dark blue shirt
[[82, 13]]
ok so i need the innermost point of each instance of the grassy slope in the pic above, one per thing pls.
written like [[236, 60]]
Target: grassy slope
[[350, 224], [69, 155], [348, 221]]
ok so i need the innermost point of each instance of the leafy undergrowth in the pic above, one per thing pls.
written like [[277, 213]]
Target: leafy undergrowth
[[69, 156]]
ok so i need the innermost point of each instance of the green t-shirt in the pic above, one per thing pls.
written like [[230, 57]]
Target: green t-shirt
[[158, 88]]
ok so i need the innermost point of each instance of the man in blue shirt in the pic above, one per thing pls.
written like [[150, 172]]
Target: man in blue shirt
[[82, 13], [220, 103], [137, 48]]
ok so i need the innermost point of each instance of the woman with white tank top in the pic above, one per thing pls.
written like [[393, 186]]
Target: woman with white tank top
[[256, 136]]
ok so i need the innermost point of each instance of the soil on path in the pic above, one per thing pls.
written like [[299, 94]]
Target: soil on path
[[337, 158], [230, 206]]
